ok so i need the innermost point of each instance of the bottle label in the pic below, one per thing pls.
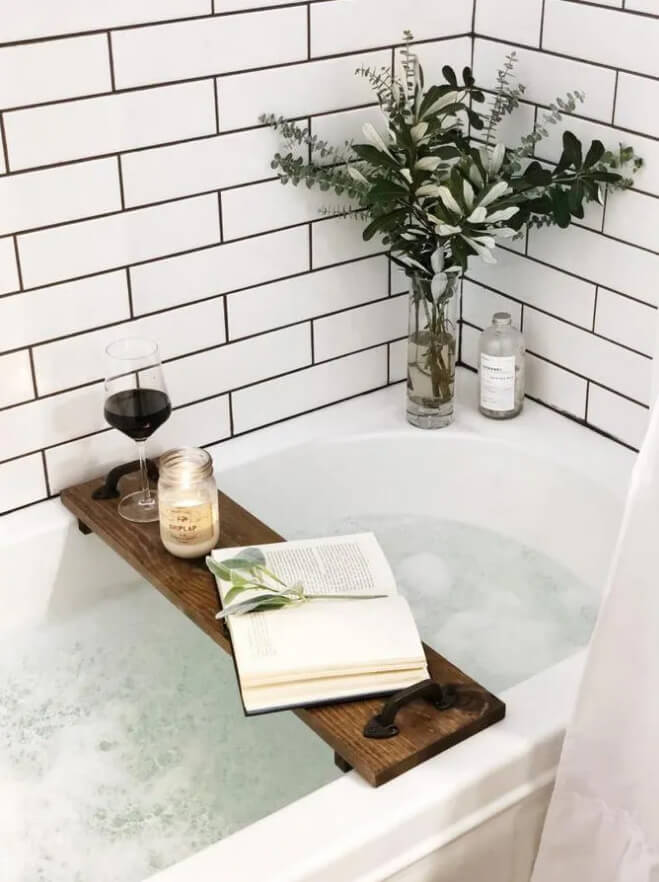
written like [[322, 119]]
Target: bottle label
[[188, 523], [497, 382]]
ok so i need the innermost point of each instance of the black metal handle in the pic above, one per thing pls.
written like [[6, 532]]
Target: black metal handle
[[110, 489], [383, 725]]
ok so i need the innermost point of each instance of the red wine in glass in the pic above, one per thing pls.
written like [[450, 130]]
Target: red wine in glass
[[138, 412], [137, 404]]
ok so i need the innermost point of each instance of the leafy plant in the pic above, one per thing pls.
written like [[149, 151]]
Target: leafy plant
[[435, 195], [262, 589]]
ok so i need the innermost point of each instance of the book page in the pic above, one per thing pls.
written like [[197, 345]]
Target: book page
[[336, 565], [353, 564], [322, 638], [274, 697]]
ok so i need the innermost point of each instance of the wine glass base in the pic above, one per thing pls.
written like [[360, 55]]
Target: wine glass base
[[134, 508]]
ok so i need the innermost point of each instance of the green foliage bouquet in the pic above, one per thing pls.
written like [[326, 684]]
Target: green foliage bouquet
[[439, 188]]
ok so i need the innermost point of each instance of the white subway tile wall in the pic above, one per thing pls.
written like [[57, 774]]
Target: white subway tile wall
[[137, 197], [588, 296]]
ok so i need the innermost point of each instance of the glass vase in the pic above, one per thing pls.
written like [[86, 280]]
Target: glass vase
[[431, 352]]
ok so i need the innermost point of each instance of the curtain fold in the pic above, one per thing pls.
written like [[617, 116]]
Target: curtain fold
[[603, 819]]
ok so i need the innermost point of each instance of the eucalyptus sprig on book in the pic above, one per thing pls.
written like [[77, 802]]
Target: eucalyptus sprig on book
[[249, 573], [435, 194]]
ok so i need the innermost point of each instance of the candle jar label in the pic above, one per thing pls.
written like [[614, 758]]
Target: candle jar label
[[188, 523]]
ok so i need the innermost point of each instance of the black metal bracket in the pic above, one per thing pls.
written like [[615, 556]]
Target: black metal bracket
[[383, 725], [110, 489]]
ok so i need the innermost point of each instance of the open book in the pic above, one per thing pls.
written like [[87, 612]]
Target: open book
[[326, 649]]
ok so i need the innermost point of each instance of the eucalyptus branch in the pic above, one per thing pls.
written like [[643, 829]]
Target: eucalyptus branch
[[551, 118], [506, 97]]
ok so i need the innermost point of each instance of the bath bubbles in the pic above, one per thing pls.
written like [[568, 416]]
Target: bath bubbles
[[124, 748], [497, 609]]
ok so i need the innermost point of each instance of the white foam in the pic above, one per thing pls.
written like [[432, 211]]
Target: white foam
[[123, 746]]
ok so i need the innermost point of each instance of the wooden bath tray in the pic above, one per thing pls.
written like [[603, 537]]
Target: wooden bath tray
[[424, 730]]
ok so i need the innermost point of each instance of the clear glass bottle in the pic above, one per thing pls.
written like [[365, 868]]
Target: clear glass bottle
[[189, 509], [501, 369]]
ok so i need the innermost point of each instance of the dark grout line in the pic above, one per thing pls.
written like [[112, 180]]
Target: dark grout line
[[27, 504], [3, 137], [33, 373], [566, 272], [542, 25], [597, 288], [231, 423], [113, 83], [19, 270], [217, 107], [131, 311], [651, 15], [122, 194], [615, 97], [220, 216], [205, 77], [309, 31], [205, 349], [561, 319], [45, 472], [191, 251], [552, 52], [574, 373], [225, 311], [152, 24], [226, 392]]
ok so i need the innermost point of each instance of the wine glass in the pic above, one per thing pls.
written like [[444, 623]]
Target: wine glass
[[136, 403]]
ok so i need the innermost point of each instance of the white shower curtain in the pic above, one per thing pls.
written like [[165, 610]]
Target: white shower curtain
[[603, 821]]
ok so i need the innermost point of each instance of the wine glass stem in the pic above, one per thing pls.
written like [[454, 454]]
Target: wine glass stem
[[144, 474]]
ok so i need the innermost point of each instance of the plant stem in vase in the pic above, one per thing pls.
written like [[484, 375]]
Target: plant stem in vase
[[431, 351]]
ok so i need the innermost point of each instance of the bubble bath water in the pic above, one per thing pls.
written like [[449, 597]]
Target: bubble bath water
[[124, 748], [123, 745]]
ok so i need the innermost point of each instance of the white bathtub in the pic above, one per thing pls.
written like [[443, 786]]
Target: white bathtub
[[475, 811]]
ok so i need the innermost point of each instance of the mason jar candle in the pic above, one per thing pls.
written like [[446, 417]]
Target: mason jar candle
[[189, 510]]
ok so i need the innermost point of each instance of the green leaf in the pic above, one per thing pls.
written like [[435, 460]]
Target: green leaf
[[537, 176], [563, 163], [432, 95], [387, 191], [542, 205], [475, 119], [446, 151], [594, 155], [260, 601], [233, 592], [237, 563], [468, 77], [218, 570], [449, 75], [478, 96], [575, 199], [374, 156], [384, 222], [461, 251], [606, 177], [561, 207], [572, 147]]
